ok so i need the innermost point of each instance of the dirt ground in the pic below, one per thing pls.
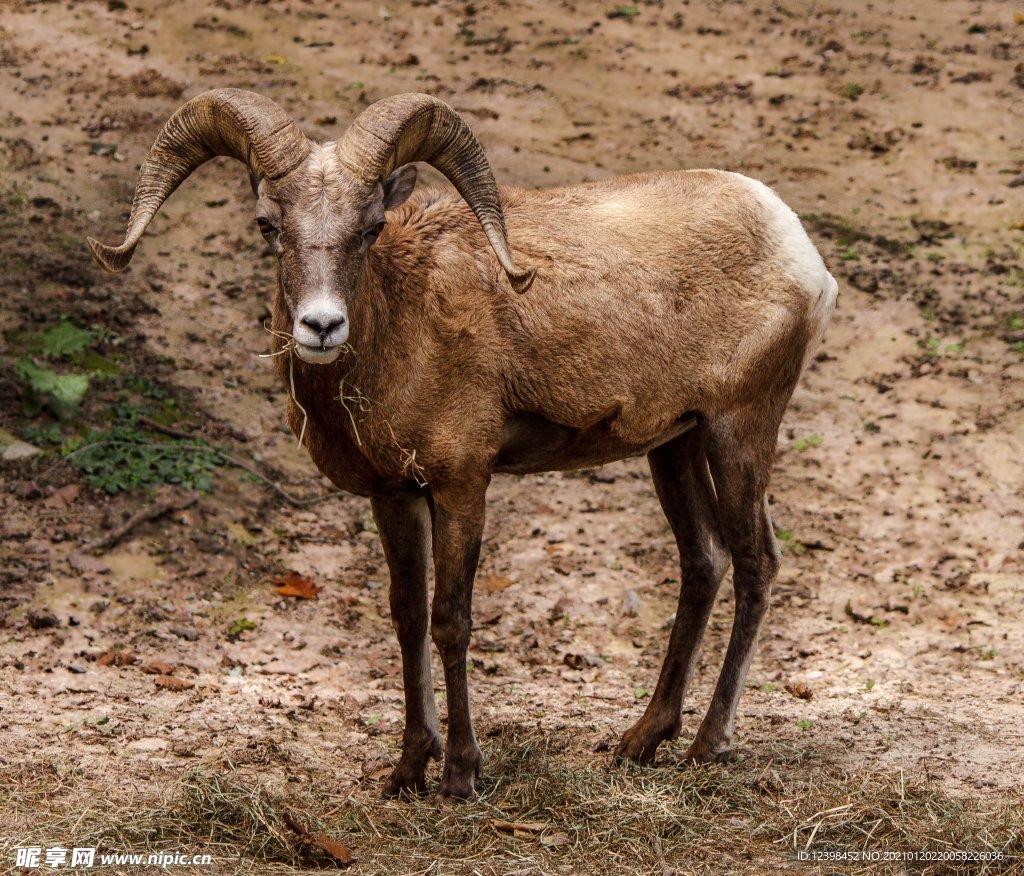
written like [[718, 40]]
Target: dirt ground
[[893, 128]]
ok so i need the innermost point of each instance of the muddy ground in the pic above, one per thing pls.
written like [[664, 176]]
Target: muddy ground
[[894, 129]]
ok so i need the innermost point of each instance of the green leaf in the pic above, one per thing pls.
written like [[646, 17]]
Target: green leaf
[[61, 393], [240, 626], [65, 339], [851, 91]]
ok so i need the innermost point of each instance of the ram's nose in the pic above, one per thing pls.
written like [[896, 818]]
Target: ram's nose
[[324, 324], [320, 332]]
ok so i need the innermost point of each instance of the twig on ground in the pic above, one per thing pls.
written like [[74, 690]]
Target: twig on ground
[[276, 487], [166, 430], [150, 513]]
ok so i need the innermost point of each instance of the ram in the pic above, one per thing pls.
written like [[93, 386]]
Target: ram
[[668, 314]]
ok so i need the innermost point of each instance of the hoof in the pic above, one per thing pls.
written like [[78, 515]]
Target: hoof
[[401, 783], [698, 753], [637, 749], [640, 743], [408, 779], [457, 780]]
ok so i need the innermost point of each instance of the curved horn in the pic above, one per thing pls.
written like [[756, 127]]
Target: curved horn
[[417, 127], [226, 121]]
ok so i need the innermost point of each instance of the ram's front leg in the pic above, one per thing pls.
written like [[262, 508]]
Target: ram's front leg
[[403, 522], [458, 528]]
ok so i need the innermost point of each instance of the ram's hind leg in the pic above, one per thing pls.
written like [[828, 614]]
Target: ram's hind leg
[[740, 452], [681, 477], [404, 525]]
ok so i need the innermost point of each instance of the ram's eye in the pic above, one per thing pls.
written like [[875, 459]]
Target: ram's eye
[[265, 225], [370, 235]]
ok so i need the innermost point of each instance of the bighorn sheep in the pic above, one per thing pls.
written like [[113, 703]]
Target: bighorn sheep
[[670, 315]]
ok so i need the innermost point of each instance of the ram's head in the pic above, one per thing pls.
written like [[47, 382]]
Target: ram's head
[[319, 206]]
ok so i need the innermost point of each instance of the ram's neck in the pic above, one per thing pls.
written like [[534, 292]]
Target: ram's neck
[[344, 410]]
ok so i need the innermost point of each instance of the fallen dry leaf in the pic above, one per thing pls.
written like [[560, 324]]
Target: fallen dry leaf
[[239, 533], [157, 667], [799, 690], [172, 682], [494, 583], [295, 585], [338, 851], [115, 658], [489, 617], [62, 498], [554, 840], [957, 622]]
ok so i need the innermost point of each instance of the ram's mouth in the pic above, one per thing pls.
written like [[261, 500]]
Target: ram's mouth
[[318, 355]]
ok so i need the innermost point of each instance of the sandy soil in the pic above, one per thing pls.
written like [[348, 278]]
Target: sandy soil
[[893, 129]]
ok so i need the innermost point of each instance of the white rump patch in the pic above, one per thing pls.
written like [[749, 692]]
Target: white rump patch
[[798, 257]]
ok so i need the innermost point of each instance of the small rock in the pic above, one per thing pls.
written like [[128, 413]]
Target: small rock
[[582, 661], [19, 450], [187, 633], [41, 618], [85, 563], [631, 604]]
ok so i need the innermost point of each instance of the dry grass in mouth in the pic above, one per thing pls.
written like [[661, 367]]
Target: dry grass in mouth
[[289, 350], [537, 813]]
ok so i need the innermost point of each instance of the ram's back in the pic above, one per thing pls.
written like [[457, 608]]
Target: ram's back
[[657, 296]]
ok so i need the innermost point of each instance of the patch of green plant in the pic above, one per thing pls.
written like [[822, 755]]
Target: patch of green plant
[[65, 339], [805, 724], [850, 254], [50, 434], [12, 199], [125, 457], [872, 427], [98, 364], [630, 11], [977, 28], [145, 387], [61, 394], [851, 91], [934, 348], [238, 627], [788, 544], [801, 444], [1015, 322]]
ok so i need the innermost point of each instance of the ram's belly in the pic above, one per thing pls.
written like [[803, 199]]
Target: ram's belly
[[533, 443]]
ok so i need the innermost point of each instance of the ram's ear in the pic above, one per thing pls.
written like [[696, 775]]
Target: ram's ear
[[399, 186]]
